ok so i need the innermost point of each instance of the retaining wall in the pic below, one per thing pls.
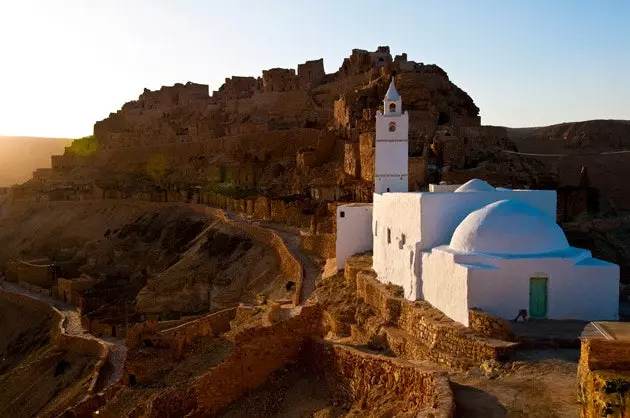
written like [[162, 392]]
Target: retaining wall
[[353, 375], [290, 266], [89, 347], [320, 245], [257, 352], [604, 378], [416, 330]]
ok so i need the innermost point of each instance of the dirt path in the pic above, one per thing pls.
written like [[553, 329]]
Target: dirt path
[[72, 325]]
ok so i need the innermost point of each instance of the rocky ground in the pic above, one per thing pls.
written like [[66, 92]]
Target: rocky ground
[[193, 263], [533, 383], [36, 377]]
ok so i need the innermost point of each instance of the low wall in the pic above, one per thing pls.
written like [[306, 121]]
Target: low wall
[[89, 347], [427, 333], [489, 326], [604, 378], [353, 375], [321, 245], [182, 334], [257, 352], [290, 266]]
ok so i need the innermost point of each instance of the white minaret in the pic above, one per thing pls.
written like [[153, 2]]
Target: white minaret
[[392, 145]]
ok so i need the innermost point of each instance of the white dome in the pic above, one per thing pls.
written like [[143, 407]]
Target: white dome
[[508, 227], [475, 185]]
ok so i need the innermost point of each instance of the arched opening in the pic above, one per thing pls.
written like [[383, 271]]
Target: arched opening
[[392, 107], [443, 118], [392, 126]]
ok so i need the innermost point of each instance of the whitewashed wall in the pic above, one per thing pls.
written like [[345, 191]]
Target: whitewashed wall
[[443, 212], [443, 188], [391, 165], [444, 284], [396, 262], [354, 232], [588, 290]]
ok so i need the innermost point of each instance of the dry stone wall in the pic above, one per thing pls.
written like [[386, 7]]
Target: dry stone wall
[[604, 378], [355, 375], [426, 332]]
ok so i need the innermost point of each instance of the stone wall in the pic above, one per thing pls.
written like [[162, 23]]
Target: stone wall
[[289, 265], [427, 333], [354, 375], [489, 326], [320, 245], [604, 378], [256, 353], [83, 345]]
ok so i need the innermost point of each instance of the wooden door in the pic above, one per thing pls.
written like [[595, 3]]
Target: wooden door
[[538, 297]]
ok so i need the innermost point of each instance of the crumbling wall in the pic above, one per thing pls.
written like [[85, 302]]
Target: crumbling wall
[[257, 352], [279, 80], [289, 265], [311, 73], [353, 375], [85, 345]]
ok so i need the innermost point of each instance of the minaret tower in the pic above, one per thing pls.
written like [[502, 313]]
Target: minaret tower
[[392, 145]]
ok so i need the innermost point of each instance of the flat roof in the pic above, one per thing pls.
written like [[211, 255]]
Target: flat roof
[[355, 204], [609, 330]]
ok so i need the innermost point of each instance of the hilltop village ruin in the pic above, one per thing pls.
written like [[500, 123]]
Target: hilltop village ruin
[[205, 252]]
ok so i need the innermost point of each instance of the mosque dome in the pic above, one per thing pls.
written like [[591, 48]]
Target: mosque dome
[[475, 185], [508, 227]]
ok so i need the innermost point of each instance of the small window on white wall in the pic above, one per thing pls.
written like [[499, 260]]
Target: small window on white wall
[[342, 214], [376, 229], [389, 236], [392, 107], [392, 126], [403, 239]]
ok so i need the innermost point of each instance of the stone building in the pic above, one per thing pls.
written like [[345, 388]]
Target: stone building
[[495, 249]]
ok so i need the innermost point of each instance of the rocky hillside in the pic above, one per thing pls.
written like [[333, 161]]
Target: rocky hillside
[[37, 378], [191, 262], [577, 144], [284, 133], [20, 156]]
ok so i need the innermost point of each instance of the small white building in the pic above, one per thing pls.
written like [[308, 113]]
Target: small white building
[[474, 246]]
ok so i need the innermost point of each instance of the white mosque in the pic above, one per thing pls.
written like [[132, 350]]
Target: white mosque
[[472, 245]]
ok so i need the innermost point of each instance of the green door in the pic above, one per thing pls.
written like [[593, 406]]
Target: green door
[[538, 297]]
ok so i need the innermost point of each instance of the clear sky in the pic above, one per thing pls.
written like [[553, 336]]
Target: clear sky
[[65, 64]]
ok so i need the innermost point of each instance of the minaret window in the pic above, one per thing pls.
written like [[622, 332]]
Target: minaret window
[[392, 107], [392, 126]]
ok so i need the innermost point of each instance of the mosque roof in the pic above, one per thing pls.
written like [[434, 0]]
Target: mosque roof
[[508, 227], [475, 185]]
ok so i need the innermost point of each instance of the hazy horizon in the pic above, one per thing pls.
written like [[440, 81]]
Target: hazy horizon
[[69, 63]]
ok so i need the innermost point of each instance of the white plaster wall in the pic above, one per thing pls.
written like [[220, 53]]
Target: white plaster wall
[[382, 126], [443, 212], [444, 284], [354, 232], [443, 188], [394, 262], [391, 166], [588, 290]]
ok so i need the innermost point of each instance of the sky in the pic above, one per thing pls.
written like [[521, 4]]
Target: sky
[[65, 64]]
